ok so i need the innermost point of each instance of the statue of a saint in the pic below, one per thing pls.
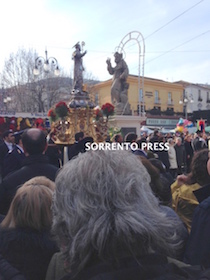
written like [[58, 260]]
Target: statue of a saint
[[78, 67], [119, 87]]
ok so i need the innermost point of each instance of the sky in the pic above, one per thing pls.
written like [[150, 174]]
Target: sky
[[162, 39]]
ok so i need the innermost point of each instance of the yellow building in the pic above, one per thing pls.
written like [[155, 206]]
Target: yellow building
[[158, 97]]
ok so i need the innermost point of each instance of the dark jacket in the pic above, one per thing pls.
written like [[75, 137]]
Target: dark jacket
[[78, 147], [28, 251], [54, 153], [163, 157], [8, 272], [36, 165], [3, 151], [188, 154], [198, 246], [13, 160], [153, 267], [180, 154]]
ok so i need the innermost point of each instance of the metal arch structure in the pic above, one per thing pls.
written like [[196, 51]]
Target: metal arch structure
[[138, 37]]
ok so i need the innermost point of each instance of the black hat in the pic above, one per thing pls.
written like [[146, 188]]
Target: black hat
[[18, 135]]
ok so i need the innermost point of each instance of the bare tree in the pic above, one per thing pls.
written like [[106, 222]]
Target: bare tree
[[31, 93], [17, 72]]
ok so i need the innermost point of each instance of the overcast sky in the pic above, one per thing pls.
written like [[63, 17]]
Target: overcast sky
[[176, 34]]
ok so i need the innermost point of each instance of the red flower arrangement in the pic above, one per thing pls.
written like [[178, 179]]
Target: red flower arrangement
[[98, 113], [61, 109], [52, 114], [108, 109]]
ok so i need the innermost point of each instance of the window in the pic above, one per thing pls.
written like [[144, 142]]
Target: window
[[199, 95], [169, 98], [207, 97], [156, 96]]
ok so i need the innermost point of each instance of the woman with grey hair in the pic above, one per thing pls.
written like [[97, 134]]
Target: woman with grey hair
[[108, 222]]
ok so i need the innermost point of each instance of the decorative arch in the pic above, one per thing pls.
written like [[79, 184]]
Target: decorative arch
[[138, 37]]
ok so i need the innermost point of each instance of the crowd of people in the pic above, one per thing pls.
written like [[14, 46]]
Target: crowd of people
[[105, 214]]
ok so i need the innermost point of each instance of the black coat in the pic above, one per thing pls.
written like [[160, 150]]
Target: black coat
[[8, 272], [36, 165], [180, 154], [3, 151], [151, 267], [13, 160], [189, 154], [78, 147], [54, 153], [28, 251]]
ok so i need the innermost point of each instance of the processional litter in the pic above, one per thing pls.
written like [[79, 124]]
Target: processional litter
[[80, 114]]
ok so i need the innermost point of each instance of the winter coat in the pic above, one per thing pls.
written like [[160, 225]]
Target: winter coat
[[28, 251], [13, 160], [184, 201], [36, 165], [188, 154], [198, 246], [180, 154], [164, 157], [172, 157], [151, 266], [7, 272]]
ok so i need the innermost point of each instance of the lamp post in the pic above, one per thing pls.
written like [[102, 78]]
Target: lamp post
[[48, 65], [186, 101], [6, 102]]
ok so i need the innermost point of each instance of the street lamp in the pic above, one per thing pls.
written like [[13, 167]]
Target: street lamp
[[6, 101], [48, 65], [186, 101]]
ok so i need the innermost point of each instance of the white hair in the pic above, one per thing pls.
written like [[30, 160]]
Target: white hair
[[103, 207]]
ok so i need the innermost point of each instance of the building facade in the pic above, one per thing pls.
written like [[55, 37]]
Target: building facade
[[158, 98], [198, 96]]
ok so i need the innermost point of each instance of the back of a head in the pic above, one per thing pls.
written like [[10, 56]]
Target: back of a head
[[118, 138], [158, 164], [151, 169], [79, 135], [30, 208], [102, 202], [130, 137], [156, 132], [34, 141], [41, 180], [199, 172]]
